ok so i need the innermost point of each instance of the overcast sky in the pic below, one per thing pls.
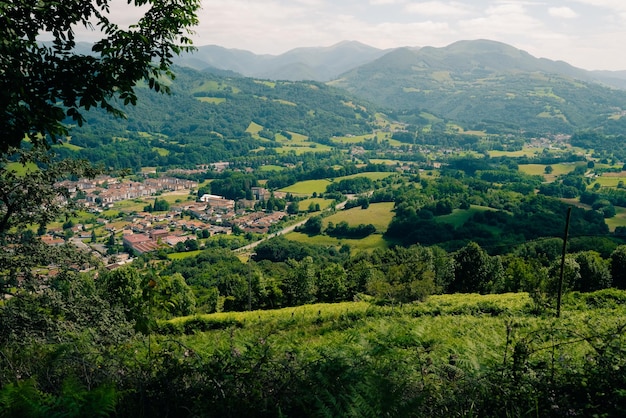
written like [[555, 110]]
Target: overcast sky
[[590, 34]]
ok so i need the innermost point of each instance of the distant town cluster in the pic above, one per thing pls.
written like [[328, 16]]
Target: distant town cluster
[[177, 226]]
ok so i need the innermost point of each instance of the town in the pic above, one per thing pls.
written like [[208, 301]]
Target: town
[[131, 217]]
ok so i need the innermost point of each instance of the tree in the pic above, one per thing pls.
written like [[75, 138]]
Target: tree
[[571, 276], [37, 92], [31, 198], [475, 270], [312, 226], [123, 287], [173, 296], [618, 267], [594, 271], [293, 208], [331, 283], [299, 285]]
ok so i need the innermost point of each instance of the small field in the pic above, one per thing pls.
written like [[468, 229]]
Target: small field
[[21, 169], [270, 168], [610, 179], [370, 175], [525, 151], [557, 169], [357, 139], [618, 220], [307, 187], [303, 205], [458, 217], [212, 100], [377, 214], [369, 243], [183, 255]]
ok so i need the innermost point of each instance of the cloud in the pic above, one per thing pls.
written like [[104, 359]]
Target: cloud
[[504, 20], [437, 8], [385, 2], [562, 12]]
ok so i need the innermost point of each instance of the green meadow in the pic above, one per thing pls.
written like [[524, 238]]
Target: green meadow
[[458, 217], [21, 169], [557, 169], [303, 205], [377, 214], [369, 243], [307, 187], [212, 100]]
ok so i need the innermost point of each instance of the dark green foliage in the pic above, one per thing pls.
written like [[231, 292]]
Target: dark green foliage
[[74, 400], [594, 272], [123, 287], [196, 132], [618, 267], [474, 270], [37, 94], [351, 186], [312, 226], [343, 230], [159, 205], [234, 185]]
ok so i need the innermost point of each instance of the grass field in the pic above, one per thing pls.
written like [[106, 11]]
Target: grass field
[[557, 169], [183, 255], [161, 151], [377, 214], [356, 139], [525, 151], [21, 169], [270, 167], [611, 180], [459, 216], [369, 243], [303, 205], [618, 220], [212, 100], [307, 187], [369, 175]]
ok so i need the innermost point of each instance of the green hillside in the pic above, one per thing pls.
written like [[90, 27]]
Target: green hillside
[[206, 119], [485, 84]]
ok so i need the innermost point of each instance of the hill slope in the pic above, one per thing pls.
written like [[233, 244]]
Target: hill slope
[[485, 82], [206, 118], [319, 64]]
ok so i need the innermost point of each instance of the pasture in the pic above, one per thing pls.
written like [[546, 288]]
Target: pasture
[[377, 214], [307, 187], [369, 243], [458, 217], [303, 205], [557, 169]]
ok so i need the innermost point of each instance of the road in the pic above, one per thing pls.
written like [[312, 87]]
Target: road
[[290, 228]]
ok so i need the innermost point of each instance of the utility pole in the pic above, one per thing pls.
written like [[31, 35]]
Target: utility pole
[[560, 291], [250, 282]]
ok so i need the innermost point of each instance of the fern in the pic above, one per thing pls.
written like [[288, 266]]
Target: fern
[[23, 399]]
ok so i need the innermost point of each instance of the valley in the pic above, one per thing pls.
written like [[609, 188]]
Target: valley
[[409, 232]]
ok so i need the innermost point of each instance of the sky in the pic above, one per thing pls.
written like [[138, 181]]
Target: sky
[[589, 34]]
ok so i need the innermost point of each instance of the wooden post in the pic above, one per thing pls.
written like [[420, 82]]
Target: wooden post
[[560, 291]]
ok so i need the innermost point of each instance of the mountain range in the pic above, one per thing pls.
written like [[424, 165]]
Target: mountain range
[[328, 63], [478, 83]]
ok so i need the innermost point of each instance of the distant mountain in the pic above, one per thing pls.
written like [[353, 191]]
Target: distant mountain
[[317, 64], [485, 83]]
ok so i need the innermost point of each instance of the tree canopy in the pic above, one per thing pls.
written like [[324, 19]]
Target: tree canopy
[[43, 83]]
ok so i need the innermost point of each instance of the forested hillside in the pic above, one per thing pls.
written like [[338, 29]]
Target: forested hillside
[[206, 117], [485, 84]]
